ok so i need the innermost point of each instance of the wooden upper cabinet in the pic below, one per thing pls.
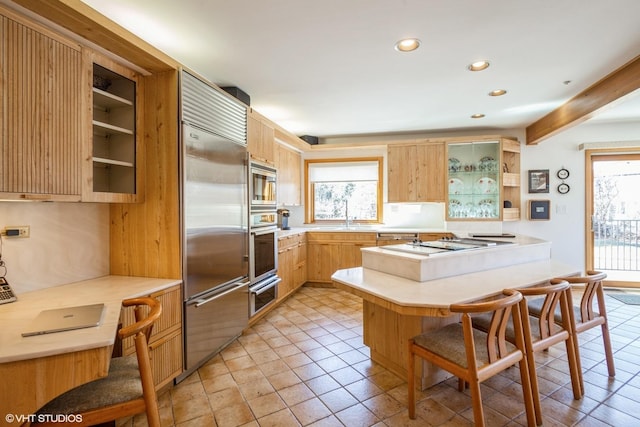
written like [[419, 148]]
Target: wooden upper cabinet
[[260, 139], [41, 113], [112, 154], [289, 165], [417, 172]]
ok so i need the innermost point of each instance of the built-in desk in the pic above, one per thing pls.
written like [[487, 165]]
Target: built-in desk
[[396, 309], [36, 369]]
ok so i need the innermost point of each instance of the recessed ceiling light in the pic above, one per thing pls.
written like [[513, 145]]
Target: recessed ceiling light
[[407, 45], [497, 92], [479, 66], [477, 116]]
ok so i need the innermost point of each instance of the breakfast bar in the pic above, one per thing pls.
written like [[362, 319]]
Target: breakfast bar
[[397, 308]]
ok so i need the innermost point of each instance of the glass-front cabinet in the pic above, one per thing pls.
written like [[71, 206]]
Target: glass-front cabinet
[[480, 175]]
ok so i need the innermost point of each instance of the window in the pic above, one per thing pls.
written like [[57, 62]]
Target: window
[[338, 188]]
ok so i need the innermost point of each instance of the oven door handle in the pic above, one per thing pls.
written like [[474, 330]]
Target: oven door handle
[[264, 230], [257, 290], [201, 302]]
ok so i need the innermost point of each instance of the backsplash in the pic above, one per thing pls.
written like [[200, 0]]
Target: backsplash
[[414, 215], [68, 242]]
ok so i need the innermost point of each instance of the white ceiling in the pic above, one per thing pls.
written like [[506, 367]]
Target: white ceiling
[[328, 67]]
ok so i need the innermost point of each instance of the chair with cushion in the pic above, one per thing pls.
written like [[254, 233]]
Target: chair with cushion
[[128, 389], [584, 316], [542, 332], [473, 355]]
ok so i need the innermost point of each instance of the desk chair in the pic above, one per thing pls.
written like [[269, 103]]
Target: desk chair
[[584, 316], [128, 389], [542, 332], [473, 355]]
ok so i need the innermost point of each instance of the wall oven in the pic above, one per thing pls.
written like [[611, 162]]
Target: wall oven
[[263, 261], [263, 253], [262, 185]]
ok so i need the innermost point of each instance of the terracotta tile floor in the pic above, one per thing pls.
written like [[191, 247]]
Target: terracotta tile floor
[[305, 364]]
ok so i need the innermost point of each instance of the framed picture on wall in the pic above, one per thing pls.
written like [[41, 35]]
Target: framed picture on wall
[[539, 181], [539, 210]]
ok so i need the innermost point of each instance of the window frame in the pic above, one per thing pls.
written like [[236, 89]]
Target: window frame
[[308, 189]]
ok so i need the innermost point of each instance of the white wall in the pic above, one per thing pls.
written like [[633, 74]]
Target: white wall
[[69, 242], [566, 228]]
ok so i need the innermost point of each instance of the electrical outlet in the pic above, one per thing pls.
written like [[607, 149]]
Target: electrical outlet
[[16, 231]]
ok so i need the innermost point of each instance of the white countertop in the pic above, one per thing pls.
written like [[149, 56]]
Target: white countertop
[[441, 293], [110, 290]]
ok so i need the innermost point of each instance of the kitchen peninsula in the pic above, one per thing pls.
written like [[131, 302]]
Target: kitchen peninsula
[[397, 308]]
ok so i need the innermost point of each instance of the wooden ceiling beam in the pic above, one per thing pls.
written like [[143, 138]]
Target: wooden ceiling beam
[[605, 93]]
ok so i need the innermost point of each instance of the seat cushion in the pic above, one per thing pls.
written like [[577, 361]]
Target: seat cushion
[[448, 342], [122, 384]]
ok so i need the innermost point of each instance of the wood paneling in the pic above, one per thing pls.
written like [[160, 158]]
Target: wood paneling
[[145, 237], [612, 89], [41, 117], [328, 252]]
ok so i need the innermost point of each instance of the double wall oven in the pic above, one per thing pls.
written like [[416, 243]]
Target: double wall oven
[[263, 240]]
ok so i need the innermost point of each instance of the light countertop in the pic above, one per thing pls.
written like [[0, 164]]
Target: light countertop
[[357, 229], [110, 290], [435, 296]]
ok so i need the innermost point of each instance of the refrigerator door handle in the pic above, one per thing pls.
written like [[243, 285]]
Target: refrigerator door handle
[[203, 301]]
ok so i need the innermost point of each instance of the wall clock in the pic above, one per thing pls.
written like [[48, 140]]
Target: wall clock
[[563, 173], [563, 188]]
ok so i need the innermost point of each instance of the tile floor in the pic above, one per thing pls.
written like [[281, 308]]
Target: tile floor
[[305, 364]]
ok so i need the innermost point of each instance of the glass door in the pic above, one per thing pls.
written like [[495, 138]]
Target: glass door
[[613, 204]]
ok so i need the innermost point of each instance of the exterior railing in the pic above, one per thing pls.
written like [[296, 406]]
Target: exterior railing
[[617, 245]]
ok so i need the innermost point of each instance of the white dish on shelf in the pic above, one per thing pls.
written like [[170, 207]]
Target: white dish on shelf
[[456, 186], [486, 185]]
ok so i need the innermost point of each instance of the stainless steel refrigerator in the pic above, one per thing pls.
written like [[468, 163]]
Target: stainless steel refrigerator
[[214, 216]]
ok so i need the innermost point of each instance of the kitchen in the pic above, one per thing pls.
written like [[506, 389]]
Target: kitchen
[[89, 225]]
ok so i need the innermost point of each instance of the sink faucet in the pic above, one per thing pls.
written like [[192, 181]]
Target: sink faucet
[[346, 214]]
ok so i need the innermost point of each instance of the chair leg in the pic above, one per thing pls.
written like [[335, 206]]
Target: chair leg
[[529, 397], [476, 399], [607, 349], [462, 384], [533, 386], [411, 398], [575, 368]]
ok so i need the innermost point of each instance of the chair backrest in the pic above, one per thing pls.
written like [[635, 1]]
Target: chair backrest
[[593, 289], [502, 308], [141, 330], [555, 292]]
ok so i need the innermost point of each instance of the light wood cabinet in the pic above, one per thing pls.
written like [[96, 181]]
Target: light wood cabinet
[[165, 343], [112, 154], [42, 112], [260, 138], [416, 172], [289, 165], [331, 251], [292, 263]]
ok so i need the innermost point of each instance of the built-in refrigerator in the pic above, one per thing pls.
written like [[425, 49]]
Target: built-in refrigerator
[[214, 218]]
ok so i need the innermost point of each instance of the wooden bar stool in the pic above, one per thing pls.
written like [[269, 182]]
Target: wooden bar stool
[[128, 389], [585, 316], [473, 355], [542, 332]]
